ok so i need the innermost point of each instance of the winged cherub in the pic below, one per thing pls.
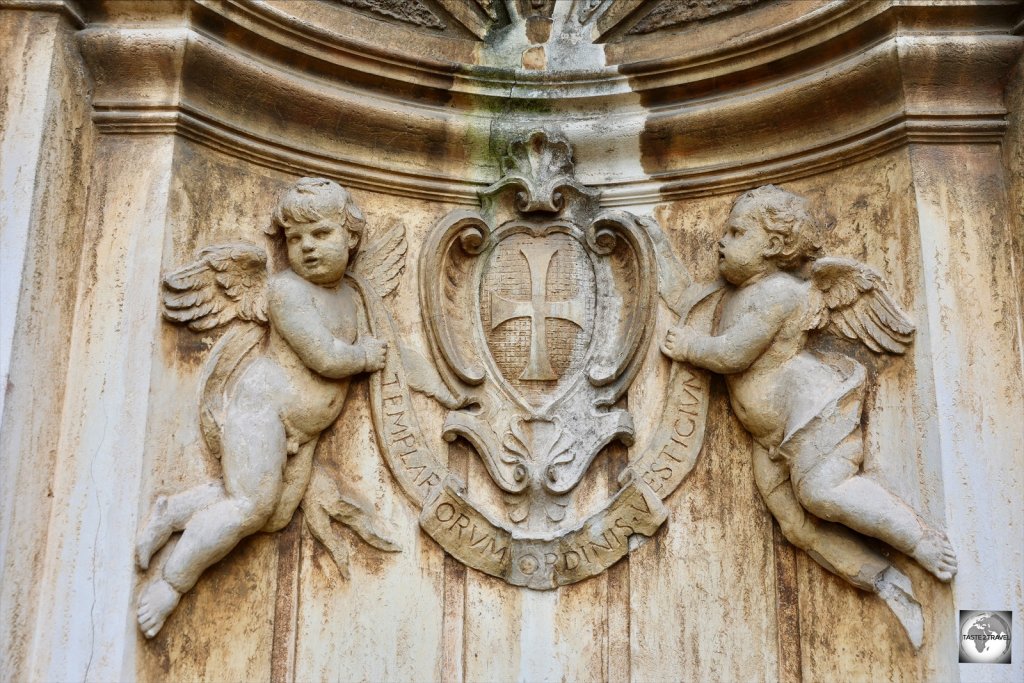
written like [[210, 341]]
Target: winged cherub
[[803, 408], [276, 379]]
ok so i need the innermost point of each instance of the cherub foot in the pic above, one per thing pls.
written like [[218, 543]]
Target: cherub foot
[[935, 553], [895, 589], [154, 535], [157, 601]]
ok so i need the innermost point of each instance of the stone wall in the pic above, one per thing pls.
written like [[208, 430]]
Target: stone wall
[[133, 134]]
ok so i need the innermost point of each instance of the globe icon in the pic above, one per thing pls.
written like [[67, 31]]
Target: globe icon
[[984, 638]]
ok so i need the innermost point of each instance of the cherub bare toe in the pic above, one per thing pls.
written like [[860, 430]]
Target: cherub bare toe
[[158, 600], [154, 535], [935, 553]]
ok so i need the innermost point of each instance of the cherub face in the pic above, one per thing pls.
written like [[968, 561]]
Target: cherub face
[[319, 251], [744, 249]]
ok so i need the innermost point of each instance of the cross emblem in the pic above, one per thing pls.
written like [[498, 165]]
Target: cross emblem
[[538, 309]]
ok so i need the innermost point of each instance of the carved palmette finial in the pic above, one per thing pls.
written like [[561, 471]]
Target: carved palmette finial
[[540, 167]]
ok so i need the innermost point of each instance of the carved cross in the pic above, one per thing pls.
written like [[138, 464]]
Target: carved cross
[[538, 309]]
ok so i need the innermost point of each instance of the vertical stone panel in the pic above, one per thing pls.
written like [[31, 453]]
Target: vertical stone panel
[[45, 148], [102, 434], [846, 632], [28, 47], [388, 620], [225, 626], [973, 301], [384, 622]]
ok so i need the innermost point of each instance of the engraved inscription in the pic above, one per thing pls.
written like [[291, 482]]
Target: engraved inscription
[[418, 465], [674, 459], [583, 551]]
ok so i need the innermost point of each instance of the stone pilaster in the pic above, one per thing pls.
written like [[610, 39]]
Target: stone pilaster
[[974, 348], [45, 147], [99, 462]]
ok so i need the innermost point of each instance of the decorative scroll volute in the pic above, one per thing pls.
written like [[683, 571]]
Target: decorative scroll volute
[[456, 239]]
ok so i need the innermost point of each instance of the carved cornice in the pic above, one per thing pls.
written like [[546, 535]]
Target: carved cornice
[[823, 91], [754, 39], [241, 144], [69, 9], [837, 153]]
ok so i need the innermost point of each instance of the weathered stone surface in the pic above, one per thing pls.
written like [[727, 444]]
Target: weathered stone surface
[[409, 11], [542, 184], [672, 14]]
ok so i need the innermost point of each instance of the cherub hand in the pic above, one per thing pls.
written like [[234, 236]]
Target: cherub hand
[[375, 351], [677, 343]]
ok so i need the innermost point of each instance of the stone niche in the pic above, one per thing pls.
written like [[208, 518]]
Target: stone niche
[[630, 422]]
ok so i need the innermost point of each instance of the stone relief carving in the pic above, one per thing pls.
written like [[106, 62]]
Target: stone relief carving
[[587, 9], [804, 408], [672, 13], [275, 380], [407, 11], [535, 8], [489, 9], [542, 322], [537, 308]]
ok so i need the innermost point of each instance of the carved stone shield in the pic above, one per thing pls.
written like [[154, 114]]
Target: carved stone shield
[[537, 301], [538, 309]]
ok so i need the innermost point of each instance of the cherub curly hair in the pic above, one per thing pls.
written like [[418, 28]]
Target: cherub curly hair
[[786, 214], [314, 199]]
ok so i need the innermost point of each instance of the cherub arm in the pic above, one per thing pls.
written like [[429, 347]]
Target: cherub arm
[[735, 349], [293, 315]]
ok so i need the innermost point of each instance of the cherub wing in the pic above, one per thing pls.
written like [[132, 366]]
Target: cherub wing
[[382, 261], [848, 298], [227, 282]]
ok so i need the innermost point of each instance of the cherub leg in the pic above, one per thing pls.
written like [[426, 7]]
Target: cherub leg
[[831, 546], [836, 548], [170, 514], [253, 461], [833, 488], [293, 486]]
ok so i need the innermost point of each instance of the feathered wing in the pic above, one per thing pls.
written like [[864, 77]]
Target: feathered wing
[[424, 378], [848, 298], [227, 283], [382, 261]]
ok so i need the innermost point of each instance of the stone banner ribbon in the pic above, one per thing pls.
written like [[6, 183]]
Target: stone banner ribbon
[[398, 431], [545, 561]]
